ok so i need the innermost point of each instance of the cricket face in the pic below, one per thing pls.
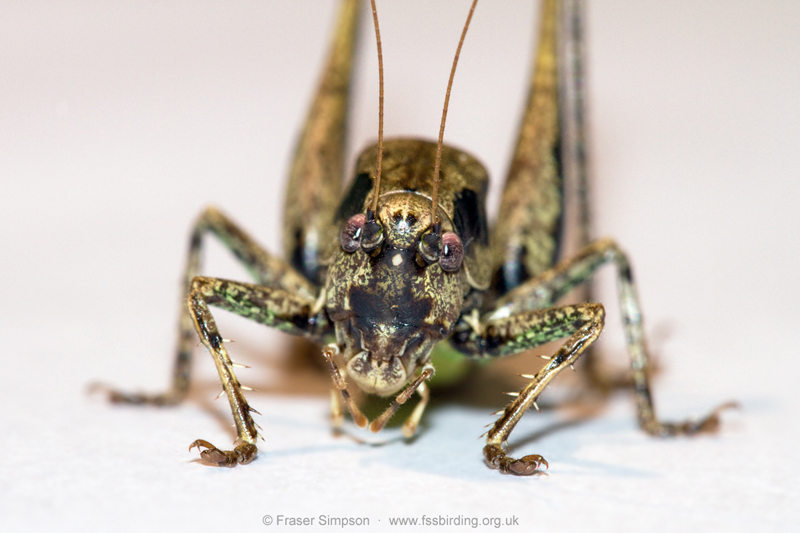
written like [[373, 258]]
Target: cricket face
[[389, 305]]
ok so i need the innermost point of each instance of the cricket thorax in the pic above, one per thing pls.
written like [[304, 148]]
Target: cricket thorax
[[389, 304]]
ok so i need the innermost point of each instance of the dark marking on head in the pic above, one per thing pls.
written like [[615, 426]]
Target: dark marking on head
[[403, 223], [370, 308]]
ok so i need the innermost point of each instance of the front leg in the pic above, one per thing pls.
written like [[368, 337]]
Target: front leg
[[581, 324], [523, 320], [277, 308]]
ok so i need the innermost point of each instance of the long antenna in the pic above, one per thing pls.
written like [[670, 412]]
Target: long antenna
[[435, 196], [374, 208]]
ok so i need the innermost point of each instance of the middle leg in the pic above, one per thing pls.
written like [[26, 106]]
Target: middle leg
[[546, 289], [264, 267]]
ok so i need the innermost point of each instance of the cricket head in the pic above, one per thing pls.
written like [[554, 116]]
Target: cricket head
[[393, 291], [396, 285]]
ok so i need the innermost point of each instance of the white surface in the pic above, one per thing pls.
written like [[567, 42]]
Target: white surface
[[120, 120]]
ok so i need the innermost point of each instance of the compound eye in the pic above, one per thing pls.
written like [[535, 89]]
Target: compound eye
[[351, 233], [452, 252]]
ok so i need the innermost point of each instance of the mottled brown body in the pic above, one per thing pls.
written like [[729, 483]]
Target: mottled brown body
[[373, 277], [390, 301]]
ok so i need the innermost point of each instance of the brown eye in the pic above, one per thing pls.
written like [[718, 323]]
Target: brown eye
[[351, 233], [452, 252]]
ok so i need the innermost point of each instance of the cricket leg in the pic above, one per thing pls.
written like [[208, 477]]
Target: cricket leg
[[580, 324], [337, 415], [410, 425], [526, 239], [283, 310], [265, 268], [315, 179], [312, 193], [546, 289], [577, 176], [339, 390], [524, 319]]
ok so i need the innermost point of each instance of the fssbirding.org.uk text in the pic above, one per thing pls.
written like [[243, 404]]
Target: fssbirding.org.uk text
[[424, 521]]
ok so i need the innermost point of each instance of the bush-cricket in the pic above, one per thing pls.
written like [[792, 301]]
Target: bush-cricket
[[403, 269]]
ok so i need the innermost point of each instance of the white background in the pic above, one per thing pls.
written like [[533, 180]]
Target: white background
[[120, 120]]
